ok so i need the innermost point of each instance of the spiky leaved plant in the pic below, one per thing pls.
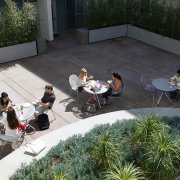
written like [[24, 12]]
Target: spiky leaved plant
[[104, 151], [162, 158], [120, 171]]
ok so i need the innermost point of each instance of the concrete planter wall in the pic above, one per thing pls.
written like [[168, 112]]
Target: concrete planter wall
[[154, 39], [18, 51], [107, 33]]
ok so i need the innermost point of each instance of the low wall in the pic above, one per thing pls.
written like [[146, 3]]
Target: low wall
[[107, 33], [13, 161], [159, 41], [18, 51], [154, 39]]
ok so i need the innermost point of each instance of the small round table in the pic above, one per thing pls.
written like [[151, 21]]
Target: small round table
[[164, 86], [24, 111], [100, 88]]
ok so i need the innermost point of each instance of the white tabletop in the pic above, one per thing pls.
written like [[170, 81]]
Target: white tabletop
[[24, 111], [101, 87], [163, 84]]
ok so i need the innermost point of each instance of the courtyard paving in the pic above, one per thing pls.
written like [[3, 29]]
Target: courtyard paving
[[25, 79]]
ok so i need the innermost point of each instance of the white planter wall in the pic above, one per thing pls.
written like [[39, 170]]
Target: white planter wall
[[162, 42], [107, 33], [154, 39], [18, 51]]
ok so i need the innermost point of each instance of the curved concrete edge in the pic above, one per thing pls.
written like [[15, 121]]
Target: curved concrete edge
[[13, 161]]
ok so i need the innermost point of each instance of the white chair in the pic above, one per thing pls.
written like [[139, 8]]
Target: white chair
[[73, 79]]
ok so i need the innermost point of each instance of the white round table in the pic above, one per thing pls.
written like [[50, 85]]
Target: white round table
[[24, 111], [100, 88], [164, 86]]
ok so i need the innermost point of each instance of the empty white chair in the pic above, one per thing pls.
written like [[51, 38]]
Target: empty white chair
[[73, 81]]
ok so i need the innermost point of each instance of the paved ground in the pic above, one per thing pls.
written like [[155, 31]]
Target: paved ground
[[24, 80]]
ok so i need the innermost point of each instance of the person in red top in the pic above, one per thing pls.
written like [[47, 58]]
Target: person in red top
[[13, 121]]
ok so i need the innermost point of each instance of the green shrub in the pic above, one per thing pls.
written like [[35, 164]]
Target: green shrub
[[111, 151], [152, 15], [17, 25]]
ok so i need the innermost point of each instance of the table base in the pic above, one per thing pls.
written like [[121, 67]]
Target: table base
[[96, 99], [160, 97]]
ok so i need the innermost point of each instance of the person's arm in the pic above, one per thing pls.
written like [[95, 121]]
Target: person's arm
[[89, 78], [116, 87], [3, 110], [173, 79]]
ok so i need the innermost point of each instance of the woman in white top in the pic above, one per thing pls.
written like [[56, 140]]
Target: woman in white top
[[83, 79]]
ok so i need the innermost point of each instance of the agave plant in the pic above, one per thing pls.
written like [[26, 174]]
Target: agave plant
[[146, 127], [163, 156], [104, 151], [118, 171]]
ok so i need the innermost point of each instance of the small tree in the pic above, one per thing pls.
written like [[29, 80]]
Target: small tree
[[17, 25]]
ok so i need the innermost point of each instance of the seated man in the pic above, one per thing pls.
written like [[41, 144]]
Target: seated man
[[46, 102], [176, 80]]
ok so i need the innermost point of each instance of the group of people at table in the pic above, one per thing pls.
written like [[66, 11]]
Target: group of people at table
[[113, 88], [8, 109]]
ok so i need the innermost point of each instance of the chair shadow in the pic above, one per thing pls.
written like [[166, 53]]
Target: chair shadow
[[7, 149]]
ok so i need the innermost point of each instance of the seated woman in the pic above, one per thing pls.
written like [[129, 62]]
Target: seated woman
[[4, 102], [13, 122], [114, 90], [83, 79]]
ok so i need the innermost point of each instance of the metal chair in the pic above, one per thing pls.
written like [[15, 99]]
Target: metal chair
[[147, 86], [11, 139], [51, 109], [121, 92], [73, 79]]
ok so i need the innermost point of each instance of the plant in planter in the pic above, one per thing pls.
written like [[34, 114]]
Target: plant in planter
[[103, 153], [119, 171], [17, 25]]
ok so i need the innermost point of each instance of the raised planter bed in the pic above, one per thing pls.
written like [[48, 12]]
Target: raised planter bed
[[162, 42], [18, 51], [107, 33], [154, 39]]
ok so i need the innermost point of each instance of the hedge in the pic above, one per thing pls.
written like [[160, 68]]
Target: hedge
[[90, 156], [17, 25], [153, 15]]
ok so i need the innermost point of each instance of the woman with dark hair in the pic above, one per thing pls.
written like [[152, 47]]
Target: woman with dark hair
[[13, 121], [114, 90], [4, 102]]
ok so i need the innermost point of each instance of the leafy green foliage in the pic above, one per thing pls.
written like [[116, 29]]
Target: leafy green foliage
[[148, 147], [17, 25], [152, 15], [118, 171]]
